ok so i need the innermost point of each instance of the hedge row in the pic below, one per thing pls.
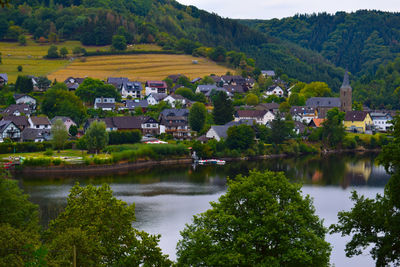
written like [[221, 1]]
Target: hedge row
[[132, 52], [24, 147], [156, 152], [124, 137]]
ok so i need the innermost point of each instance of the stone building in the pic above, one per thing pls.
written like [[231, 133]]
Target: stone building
[[346, 94]]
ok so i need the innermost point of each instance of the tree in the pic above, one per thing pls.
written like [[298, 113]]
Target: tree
[[63, 52], [207, 80], [73, 130], [52, 52], [90, 88], [58, 101], [373, 223], [24, 84], [186, 92], [316, 89], [119, 42], [333, 130], [19, 68], [96, 136], [240, 137], [262, 220], [43, 83], [197, 116], [223, 108], [79, 51], [59, 133], [251, 99], [295, 99], [22, 40], [281, 130], [99, 226]]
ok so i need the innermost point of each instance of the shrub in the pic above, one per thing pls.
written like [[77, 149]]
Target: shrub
[[48, 152], [124, 137], [19, 68]]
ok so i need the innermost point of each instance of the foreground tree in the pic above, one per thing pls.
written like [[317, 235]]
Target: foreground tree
[[375, 222], [262, 220], [60, 134], [197, 116], [240, 137], [96, 136], [99, 226]]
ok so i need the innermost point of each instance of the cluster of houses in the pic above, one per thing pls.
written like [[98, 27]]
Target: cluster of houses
[[20, 124]]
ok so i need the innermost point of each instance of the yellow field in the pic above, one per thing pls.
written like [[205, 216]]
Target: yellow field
[[139, 67]]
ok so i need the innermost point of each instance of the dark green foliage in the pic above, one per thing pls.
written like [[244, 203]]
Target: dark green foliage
[[333, 131], [197, 116], [245, 227], [63, 52], [93, 88], [24, 84], [52, 52], [223, 108], [240, 137], [59, 102], [124, 137], [43, 83], [187, 93], [119, 42], [73, 130], [281, 130], [19, 68], [96, 136]]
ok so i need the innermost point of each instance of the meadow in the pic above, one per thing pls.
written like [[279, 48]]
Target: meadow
[[140, 67]]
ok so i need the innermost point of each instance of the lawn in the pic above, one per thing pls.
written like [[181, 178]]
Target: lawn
[[140, 67]]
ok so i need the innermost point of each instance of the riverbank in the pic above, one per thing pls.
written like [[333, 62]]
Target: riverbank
[[100, 169]]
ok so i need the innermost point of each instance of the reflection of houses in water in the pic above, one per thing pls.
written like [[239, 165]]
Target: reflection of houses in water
[[357, 173]]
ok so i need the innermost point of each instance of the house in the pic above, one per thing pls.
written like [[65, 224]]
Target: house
[[274, 90], [173, 100], [273, 107], [316, 123], [73, 83], [20, 121], [117, 81], [175, 122], [9, 130], [132, 104], [35, 135], [196, 80], [357, 121], [235, 89], [233, 80], [259, 116], [155, 98], [381, 120], [68, 122], [25, 99], [175, 77], [323, 104], [39, 122], [217, 80], [3, 79], [133, 89], [158, 87], [206, 88], [219, 132], [303, 113], [268, 73], [145, 124], [299, 127], [17, 110], [104, 103]]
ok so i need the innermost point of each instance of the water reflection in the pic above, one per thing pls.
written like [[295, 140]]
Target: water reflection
[[167, 197]]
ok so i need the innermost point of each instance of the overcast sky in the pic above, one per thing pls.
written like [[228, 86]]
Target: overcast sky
[[268, 9]]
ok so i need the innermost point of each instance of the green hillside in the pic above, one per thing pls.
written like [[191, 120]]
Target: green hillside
[[169, 24], [360, 41]]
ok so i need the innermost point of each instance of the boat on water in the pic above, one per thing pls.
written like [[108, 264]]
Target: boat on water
[[211, 161]]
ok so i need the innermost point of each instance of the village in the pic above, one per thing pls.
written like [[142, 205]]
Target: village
[[22, 122]]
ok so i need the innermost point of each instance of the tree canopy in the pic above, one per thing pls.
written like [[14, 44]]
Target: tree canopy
[[197, 116], [90, 89], [262, 220], [59, 133], [223, 108], [96, 136]]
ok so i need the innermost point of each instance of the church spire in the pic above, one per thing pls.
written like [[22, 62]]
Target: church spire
[[346, 80]]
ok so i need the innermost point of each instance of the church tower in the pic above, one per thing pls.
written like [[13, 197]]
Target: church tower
[[345, 94]]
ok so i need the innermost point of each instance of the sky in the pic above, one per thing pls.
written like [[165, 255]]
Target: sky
[[268, 9]]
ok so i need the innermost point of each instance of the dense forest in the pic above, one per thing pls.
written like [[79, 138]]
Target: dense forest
[[166, 23], [359, 41]]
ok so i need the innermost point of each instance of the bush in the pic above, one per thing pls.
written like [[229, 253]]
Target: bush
[[19, 68], [48, 152], [24, 147], [124, 137]]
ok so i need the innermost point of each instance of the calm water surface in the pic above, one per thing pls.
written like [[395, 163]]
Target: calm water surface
[[166, 198]]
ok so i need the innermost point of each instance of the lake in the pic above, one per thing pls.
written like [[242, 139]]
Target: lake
[[166, 198]]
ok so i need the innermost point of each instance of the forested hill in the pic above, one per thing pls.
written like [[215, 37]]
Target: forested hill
[[166, 22], [360, 41]]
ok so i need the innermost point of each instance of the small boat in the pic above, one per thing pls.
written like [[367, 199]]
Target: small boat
[[211, 161]]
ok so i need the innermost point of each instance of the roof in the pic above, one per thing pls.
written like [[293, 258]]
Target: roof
[[234, 89], [300, 126], [4, 124], [124, 122], [30, 134], [216, 78], [273, 87], [346, 80], [268, 72], [22, 108], [240, 122], [17, 120], [234, 78], [317, 122], [72, 86], [18, 96], [4, 76], [251, 113], [195, 80], [40, 120], [323, 102], [172, 112], [376, 115], [62, 118], [156, 84], [105, 105], [157, 96], [268, 106], [132, 104], [132, 86], [117, 81], [204, 88], [74, 80], [301, 110], [355, 115], [221, 130]]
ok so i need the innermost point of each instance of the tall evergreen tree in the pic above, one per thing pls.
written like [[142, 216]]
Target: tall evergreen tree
[[223, 108]]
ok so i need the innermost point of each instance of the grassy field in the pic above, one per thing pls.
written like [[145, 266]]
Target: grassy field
[[139, 67], [30, 57]]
